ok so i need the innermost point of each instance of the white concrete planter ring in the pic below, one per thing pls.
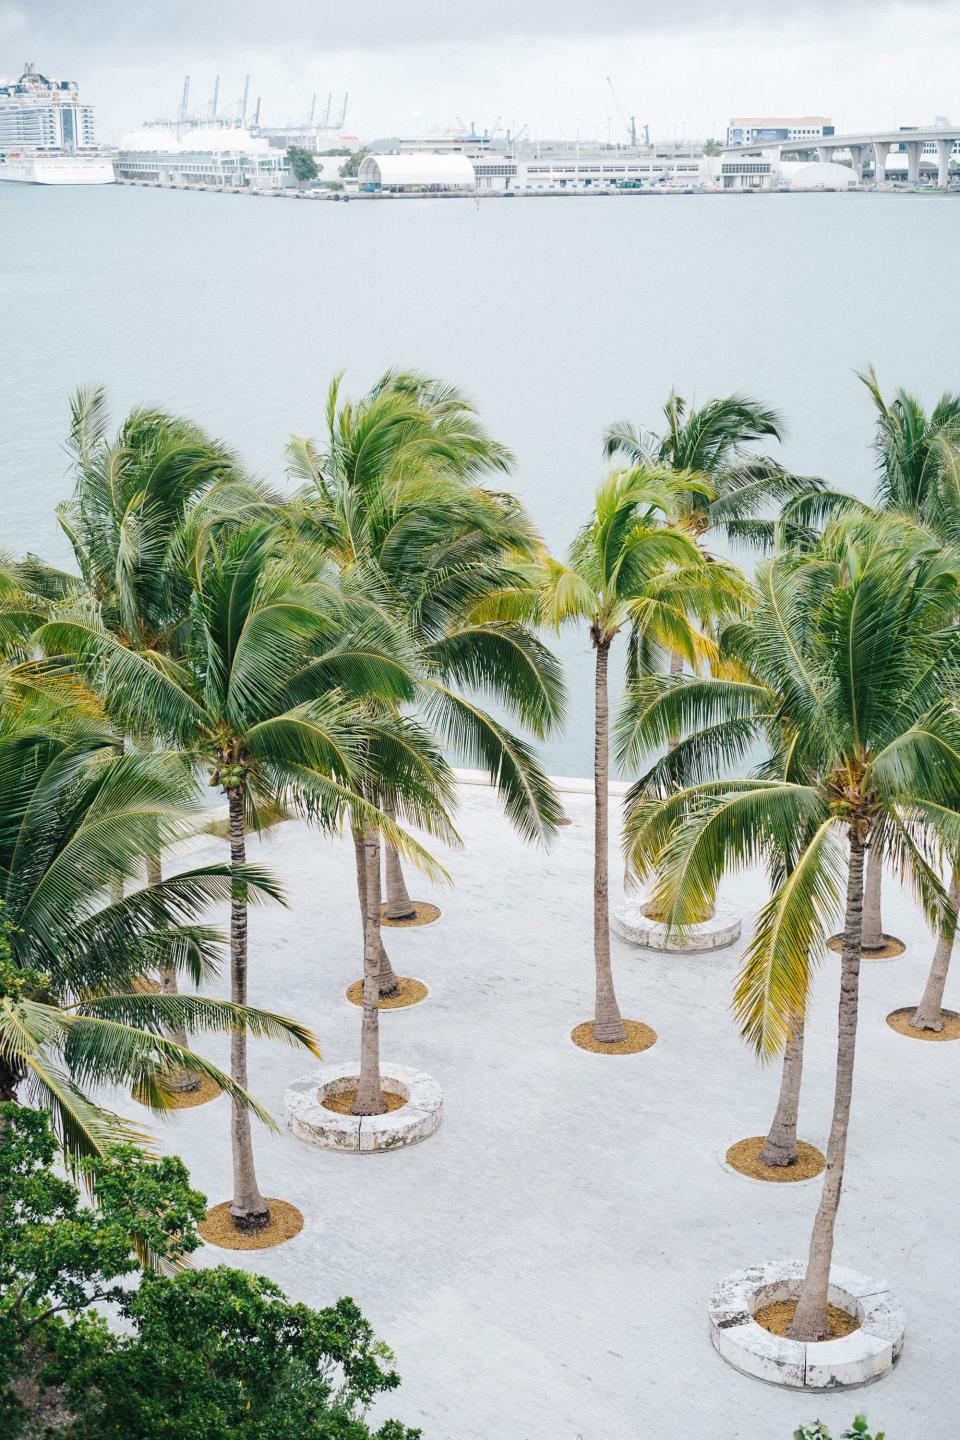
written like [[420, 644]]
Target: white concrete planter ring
[[854, 1359], [631, 924], [415, 1120]]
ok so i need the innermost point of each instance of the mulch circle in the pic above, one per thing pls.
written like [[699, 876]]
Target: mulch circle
[[891, 947], [424, 914], [409, 992], [639, 1037], [219, 1229], [343, 1103], [744, 1157], [778, 1317], [187, 1099], [899, 1020]]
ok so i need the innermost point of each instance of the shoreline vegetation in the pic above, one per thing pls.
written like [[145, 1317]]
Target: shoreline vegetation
[[324, 655]]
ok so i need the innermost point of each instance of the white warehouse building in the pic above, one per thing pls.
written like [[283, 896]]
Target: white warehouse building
[[767, 171], [419, 171], [584, 170]]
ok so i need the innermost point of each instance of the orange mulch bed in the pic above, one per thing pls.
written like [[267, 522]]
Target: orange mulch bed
[[639, 1037], [187, 1099], [891, 947], [778, 1317], [744, 1156], [343, 1103], [899, 1020], [219, 1229], [424, 914], [409, 992]]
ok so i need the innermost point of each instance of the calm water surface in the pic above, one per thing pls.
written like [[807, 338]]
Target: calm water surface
[[556, 317]]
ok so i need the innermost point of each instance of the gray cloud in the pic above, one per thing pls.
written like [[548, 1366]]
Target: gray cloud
[[411, 68], [179, 26]]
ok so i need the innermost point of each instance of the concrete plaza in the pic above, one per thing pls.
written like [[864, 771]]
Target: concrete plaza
[[541, 1265]]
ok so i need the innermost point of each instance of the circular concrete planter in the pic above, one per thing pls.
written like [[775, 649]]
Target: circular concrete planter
[[631, 924], [311, 1122], [819, 1365]]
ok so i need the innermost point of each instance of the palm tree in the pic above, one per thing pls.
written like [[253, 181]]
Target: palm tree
[[918, 476], [629, 569], [708, 751], [394, 499], [263, 703], [713, 442], [73, 812], [140, 500], [404, 770], [856, 644]]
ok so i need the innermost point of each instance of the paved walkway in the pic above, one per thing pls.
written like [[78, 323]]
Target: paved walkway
[[541, 1265]]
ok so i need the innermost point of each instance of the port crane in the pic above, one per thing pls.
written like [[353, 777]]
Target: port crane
[[184, 103], [317, 122], [630, 128]]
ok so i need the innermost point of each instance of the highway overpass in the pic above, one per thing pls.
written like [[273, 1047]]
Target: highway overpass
[[875, 145]]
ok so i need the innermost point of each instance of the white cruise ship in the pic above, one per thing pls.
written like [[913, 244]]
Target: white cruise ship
[[47, 136]]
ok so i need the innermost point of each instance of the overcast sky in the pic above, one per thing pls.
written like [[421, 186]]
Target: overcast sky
[[412, 66]]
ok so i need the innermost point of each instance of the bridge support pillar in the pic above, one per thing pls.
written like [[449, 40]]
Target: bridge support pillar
[[913, 148], [944, 151], [881, 149], [856, 160]]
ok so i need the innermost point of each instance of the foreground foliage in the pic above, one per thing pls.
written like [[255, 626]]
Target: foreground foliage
[[818, 1431], [209, 1354]]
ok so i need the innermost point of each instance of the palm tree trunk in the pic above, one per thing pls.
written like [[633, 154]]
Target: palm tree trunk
[[184, 1082], [115, 888], [676, 668], [11, 1074], [249, 1209], [780, 1147], [810, 1320], [872, 919], [608, 1022], [389, 980], [399, 904], [927, 1015], [370, 1099]]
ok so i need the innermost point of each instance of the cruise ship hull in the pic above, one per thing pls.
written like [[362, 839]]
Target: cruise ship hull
[[57, 169]]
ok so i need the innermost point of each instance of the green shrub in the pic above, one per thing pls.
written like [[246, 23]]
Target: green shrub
[[818, 1431], [214, 1354]]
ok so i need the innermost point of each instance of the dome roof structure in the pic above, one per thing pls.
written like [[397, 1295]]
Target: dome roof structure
[[145, 141], [223, 137], [417, 171], [202, 140]]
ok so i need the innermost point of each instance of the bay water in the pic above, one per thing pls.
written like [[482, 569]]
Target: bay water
[[556, 316]]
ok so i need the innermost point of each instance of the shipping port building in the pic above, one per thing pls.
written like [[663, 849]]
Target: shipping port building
[[223, 157]]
